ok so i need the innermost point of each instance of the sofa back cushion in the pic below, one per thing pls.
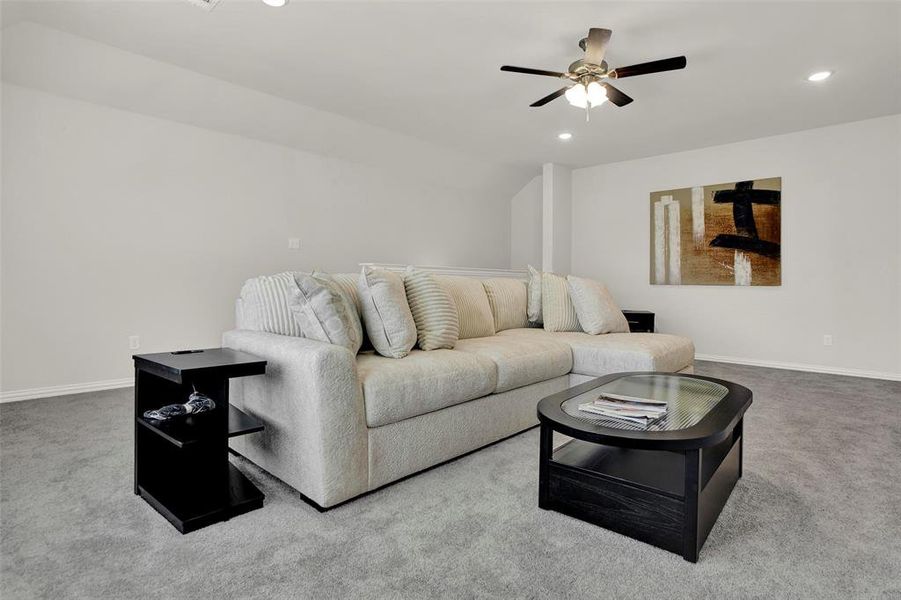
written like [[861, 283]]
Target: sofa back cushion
[[508, 299], [264, 304], [386, 314], [324, 313], [473, 309], [434, 311], [556, 306]]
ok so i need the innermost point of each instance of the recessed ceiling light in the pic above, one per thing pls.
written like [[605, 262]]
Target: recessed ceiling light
[[819, 76], [275, 3], [565, 135]]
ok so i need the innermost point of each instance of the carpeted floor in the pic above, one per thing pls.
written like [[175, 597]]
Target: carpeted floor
[[817, 515]]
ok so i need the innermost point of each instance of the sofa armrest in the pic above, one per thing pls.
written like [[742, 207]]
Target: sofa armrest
[[311, 403]]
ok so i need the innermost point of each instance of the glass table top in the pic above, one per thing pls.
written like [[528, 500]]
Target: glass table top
[[688, 400]]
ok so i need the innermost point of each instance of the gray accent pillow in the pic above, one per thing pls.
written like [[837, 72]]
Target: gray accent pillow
[[324, 313], [595, 307], [434, 311], [386, 314]]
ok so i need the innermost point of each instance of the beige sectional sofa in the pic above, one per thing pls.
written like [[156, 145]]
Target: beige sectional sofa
[[339, 425]]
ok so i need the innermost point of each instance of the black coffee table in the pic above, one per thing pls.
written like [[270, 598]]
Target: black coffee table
[[664, 484]]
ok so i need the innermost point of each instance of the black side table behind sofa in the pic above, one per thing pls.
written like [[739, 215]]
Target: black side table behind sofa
[[640, 320]]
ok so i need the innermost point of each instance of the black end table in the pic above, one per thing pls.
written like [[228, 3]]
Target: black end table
[[640, 321], [181, 466], [664, 484]]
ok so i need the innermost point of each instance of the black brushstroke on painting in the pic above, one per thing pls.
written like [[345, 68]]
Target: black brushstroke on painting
[[743, 198]]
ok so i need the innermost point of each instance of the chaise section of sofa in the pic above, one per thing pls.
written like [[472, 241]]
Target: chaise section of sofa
[[599, 355]]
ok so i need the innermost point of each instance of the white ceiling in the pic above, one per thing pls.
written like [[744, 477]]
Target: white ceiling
[[430, 69]]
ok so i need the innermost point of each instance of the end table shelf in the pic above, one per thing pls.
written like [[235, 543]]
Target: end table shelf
[[191, 512], [185, 432], [181, 467]]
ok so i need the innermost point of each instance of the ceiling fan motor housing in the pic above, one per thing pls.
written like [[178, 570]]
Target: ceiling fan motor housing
[[580, 68]]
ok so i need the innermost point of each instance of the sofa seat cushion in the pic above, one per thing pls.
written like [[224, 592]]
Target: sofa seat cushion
[[617, 352], [520, 361], [395, 389]]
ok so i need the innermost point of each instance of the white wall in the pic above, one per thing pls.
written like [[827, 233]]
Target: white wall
[[525, 229], [558, 215], [116, 223], [841, 258]]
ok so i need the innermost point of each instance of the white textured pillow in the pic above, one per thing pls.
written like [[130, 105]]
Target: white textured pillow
[[509, 300], [556, 306], [594, 305], [534, 310], [386, 313], [471, 301], [324, 313], [265, 300], [434, 311]]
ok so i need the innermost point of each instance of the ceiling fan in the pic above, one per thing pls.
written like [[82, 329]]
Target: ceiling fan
[[589, 75]]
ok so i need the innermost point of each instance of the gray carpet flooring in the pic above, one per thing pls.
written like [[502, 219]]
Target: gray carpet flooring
[[817, 515]]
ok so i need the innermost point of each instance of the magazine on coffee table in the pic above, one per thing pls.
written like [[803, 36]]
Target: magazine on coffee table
[[625, 398], [640, 411]]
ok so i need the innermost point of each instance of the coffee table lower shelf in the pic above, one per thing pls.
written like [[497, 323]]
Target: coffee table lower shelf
[[670, 499], [191, 512]]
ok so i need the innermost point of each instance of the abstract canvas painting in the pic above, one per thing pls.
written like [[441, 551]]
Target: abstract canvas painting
[[723, 234]]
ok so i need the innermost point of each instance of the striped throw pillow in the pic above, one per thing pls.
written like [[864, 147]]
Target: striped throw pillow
[[434, 311], [473, 309], [508, 299], [265, 301], [556, 306], [534, 295]]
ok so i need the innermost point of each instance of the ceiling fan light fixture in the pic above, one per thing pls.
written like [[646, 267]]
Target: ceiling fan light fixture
[[565, 136], [596, 94], [577, 95]]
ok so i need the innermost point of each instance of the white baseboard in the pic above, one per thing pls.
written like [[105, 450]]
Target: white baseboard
[[64, 390], [773, 364]]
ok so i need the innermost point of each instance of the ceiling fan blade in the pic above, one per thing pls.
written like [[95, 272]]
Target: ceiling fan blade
[[528, 71], [550, 97], [655, 66], [615, 96], [596, 46]]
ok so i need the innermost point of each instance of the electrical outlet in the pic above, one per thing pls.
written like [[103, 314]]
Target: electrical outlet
[[294, 243], [134, 342], [827, 340]]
